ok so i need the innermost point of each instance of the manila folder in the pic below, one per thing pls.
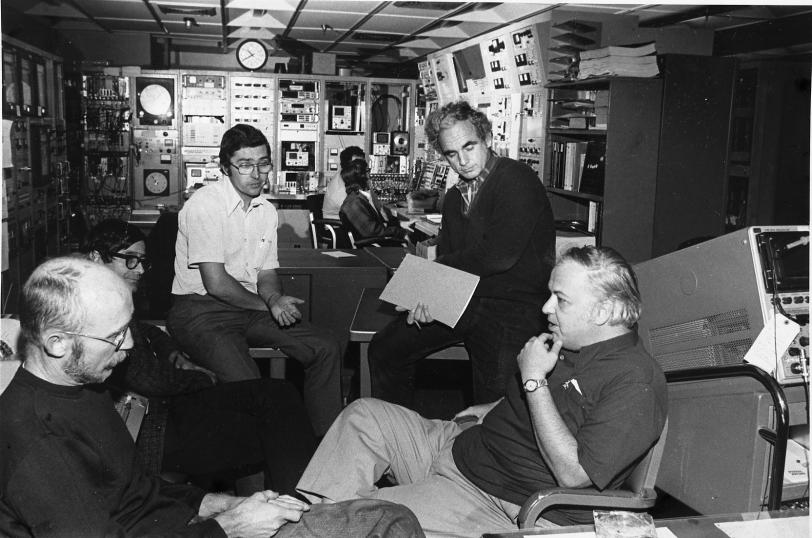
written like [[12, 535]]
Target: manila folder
[[445, 290]]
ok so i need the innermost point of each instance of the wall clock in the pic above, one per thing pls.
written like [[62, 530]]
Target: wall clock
[[252, 54]]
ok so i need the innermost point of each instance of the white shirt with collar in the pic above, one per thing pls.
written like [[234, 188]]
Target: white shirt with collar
[[213, 227]]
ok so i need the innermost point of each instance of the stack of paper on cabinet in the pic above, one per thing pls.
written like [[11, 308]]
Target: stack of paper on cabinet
[[640, 61]]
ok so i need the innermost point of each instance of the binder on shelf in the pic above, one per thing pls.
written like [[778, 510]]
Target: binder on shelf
[[567, 160], [594, 166], [593, 218]]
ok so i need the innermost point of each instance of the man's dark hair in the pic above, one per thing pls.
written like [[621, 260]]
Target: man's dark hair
[[238, 137], [110, 236], [349, 154], [451, 114], [355, 176]]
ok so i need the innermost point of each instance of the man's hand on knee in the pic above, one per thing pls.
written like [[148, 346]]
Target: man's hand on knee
[[261, 515]]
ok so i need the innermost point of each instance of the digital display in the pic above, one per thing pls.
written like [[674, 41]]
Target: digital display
[[381, 138]]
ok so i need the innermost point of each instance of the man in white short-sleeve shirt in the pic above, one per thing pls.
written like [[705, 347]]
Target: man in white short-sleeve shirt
[[226, 293]]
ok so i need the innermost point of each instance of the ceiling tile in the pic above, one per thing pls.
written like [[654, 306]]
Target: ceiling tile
[[401, 25], [45, 9], [256, 18], [256, 33], [281, 5]]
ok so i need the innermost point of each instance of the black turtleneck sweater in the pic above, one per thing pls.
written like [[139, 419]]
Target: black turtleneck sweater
[[68, 468], [507, 237]]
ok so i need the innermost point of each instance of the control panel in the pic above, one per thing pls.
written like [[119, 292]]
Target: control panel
[[155, 177], [204, 106], [531, 143], [526, 57], [795, 362], [251, 102], [342, 118], [298, 135]]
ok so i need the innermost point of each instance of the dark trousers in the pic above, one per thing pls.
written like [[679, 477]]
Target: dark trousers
[[235, 429], [218, 336], [493, 331]]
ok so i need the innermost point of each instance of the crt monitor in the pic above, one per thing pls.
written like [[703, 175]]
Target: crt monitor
[[704, 305]]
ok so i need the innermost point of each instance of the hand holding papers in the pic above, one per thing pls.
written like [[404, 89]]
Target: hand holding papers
[[445, 290]]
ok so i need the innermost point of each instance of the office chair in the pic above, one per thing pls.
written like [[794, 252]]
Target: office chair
[[636, 492], [325, 233], [377, 241]]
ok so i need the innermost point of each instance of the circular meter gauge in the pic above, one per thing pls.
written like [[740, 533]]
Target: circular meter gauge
[[156, 100], [156, 183]]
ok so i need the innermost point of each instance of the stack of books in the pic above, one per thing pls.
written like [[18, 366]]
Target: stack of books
[[633, 61]]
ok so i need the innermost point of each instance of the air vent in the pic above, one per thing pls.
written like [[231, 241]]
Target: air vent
[[188, 11], [433, 6], [715, 325], [723, 354], [379, 37]]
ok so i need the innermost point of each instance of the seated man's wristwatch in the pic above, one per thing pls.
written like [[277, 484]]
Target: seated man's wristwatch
[[530, 385]]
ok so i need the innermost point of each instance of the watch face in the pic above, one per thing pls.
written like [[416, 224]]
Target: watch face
[[530, 385], [156, 183], [251, 54]]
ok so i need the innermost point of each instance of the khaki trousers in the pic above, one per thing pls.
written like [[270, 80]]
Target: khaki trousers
[[372, 437]]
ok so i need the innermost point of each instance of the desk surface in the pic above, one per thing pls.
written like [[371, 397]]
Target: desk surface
[[308, 258], [687, 527], [371, 315], [389, 257], [418, 219]]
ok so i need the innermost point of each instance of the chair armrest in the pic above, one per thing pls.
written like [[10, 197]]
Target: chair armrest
[[614, 498], [328, 222]]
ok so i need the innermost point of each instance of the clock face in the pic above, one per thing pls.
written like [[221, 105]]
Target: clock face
[[156, 183], [251, 54]]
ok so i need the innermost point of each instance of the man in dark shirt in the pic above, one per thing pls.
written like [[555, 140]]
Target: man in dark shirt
[[588, 406], [497, 224], [67, 463]]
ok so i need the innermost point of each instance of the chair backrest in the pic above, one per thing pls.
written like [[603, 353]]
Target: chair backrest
[[161, 252], [315, 202], [644, 475], [318, 233]]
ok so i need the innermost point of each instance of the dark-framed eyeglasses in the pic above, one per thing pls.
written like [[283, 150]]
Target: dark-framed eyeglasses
[[245, 169], [132, 260], [117, 342]]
